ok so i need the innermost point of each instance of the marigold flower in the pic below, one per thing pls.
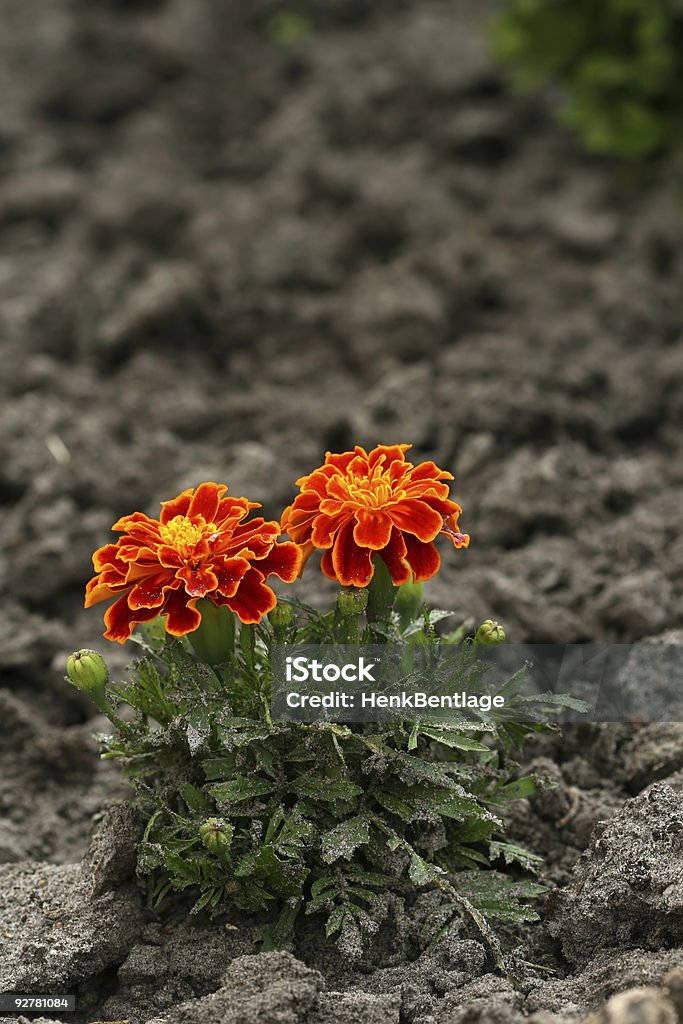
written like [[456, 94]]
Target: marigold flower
[[199, 547], [359, 505]]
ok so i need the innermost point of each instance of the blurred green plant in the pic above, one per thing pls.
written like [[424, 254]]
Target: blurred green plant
[[289, 29], [619, 64]]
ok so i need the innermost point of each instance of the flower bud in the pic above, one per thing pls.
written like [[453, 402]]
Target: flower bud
[[216, 835], [490, 633], [352, 602], [281, 618], [87, 671]]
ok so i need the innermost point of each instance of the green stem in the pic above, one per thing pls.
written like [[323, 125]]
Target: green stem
[[351, 604], [381, 597]]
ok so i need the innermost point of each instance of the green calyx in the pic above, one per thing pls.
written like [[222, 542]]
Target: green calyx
[[381, 593], [214, 639]]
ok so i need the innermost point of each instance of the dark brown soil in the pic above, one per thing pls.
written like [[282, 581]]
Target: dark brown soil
[[222, 253]]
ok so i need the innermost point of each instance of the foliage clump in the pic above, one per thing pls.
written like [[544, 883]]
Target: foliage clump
[[318, 818], [619, 64]]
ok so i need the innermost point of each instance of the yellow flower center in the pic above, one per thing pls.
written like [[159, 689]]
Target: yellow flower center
[[183, 533], [373, 490]]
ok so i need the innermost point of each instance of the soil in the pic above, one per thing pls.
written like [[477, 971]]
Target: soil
[[229, 240]]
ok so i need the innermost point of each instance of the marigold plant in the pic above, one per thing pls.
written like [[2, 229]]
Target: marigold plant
[[286, 817]]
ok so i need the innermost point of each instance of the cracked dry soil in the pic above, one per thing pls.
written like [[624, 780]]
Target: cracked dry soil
[[221, 255]]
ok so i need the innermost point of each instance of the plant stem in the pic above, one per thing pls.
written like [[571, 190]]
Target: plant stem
[[381, 597]]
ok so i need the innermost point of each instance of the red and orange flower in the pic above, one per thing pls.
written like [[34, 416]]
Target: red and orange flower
[[200, 547], [358, 505]]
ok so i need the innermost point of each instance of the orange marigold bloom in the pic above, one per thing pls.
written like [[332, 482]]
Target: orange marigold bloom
[[199, 547], [359, 505]]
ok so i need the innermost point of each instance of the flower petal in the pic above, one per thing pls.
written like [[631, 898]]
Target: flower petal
[[284, 560], [450, 529], [342, 460], [108, 557], [229, 572], [233, 509], [416, 517], [422, 558], [205, 501], [138, 525], [169, 557], [181, 615], [352, 565], [429, 471], [326, 566], [394, 556], [176, 506], [120, 620], [372, 529], [198, 582], [149, 592], [253, 598], [99, 590], [326, 526], [387, 453]]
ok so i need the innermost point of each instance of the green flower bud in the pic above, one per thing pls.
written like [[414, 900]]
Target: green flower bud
[[490, 633], [216, 835], [87, 671], [351, 601], [281, 618]]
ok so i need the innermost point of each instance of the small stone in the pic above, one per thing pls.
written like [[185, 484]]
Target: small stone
[[637, 1006]]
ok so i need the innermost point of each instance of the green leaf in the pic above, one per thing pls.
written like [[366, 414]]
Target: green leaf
[[419, 871], [218, 768], [395, 805], [455, 740], [516, 790], [194, 798], [430, 619], [498, 897], [345, 838], [242, 787], [326, 790], [512, 854], [336, 920]]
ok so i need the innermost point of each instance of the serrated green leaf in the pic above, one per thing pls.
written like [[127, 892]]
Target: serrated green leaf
[[419, 871], [345, 838], [335, 920], [513, 854], [455, 740]]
